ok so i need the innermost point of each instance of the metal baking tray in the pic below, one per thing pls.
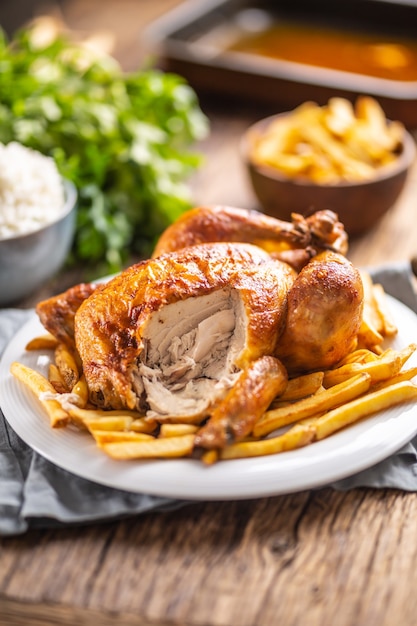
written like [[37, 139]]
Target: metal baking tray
[[194, 40]]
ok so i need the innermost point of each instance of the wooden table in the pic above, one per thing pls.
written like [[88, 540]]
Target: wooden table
[[315, 558]]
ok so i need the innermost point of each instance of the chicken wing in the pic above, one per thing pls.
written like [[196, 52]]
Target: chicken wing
[[57, 313]]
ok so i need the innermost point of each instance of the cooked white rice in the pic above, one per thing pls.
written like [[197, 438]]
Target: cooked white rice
[[31, 191]]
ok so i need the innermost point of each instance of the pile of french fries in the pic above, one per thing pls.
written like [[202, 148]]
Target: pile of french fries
[[312, 407], [333, 143]]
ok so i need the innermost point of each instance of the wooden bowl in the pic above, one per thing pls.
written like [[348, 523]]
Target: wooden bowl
[[359, 205]]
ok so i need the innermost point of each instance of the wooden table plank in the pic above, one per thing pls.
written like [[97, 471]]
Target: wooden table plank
[[336, 557]]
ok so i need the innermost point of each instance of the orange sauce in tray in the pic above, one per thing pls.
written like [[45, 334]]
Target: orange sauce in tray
[[370, 54]]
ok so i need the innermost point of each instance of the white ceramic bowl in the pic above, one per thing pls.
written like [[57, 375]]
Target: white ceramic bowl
[[28, 261]]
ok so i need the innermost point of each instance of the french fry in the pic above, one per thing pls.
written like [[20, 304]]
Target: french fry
[[342, 160], [382, 369], [339, 116], [386, 366], [313, 405], [296, 437], [96, 419], [361, 407], [42, 342], [368, 335], [389, 327], [174, 430], [372, 327], [209, 457], [80, 389], [361, 355], [115, 423], [302, 386], [377, 318], [405, 353], [67, 365], [377, 349], [143, 425], [408, 374], [101, 413], [382, 138], [164, 448], [113, 436], [40, 385], [55, 378], [180, 419]]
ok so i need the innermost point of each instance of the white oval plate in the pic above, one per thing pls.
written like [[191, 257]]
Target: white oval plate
[[343, 454]]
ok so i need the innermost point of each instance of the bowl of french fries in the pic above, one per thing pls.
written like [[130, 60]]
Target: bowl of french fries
[[343, 156]]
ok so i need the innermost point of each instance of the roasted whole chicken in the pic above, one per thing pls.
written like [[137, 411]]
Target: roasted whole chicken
[[231, 304]]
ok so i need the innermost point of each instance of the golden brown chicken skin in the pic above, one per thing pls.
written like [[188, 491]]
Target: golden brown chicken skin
[[324, 314]]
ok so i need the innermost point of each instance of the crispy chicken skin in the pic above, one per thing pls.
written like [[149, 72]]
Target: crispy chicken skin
[[171, 334], [324, 314]]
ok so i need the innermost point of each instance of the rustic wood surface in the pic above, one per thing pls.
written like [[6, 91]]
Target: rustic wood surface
[[322, 557]]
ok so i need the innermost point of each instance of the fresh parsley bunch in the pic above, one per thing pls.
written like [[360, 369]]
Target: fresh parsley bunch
[[124, 139]]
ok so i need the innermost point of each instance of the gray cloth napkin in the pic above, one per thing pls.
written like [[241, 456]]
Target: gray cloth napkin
[[36, 493]]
